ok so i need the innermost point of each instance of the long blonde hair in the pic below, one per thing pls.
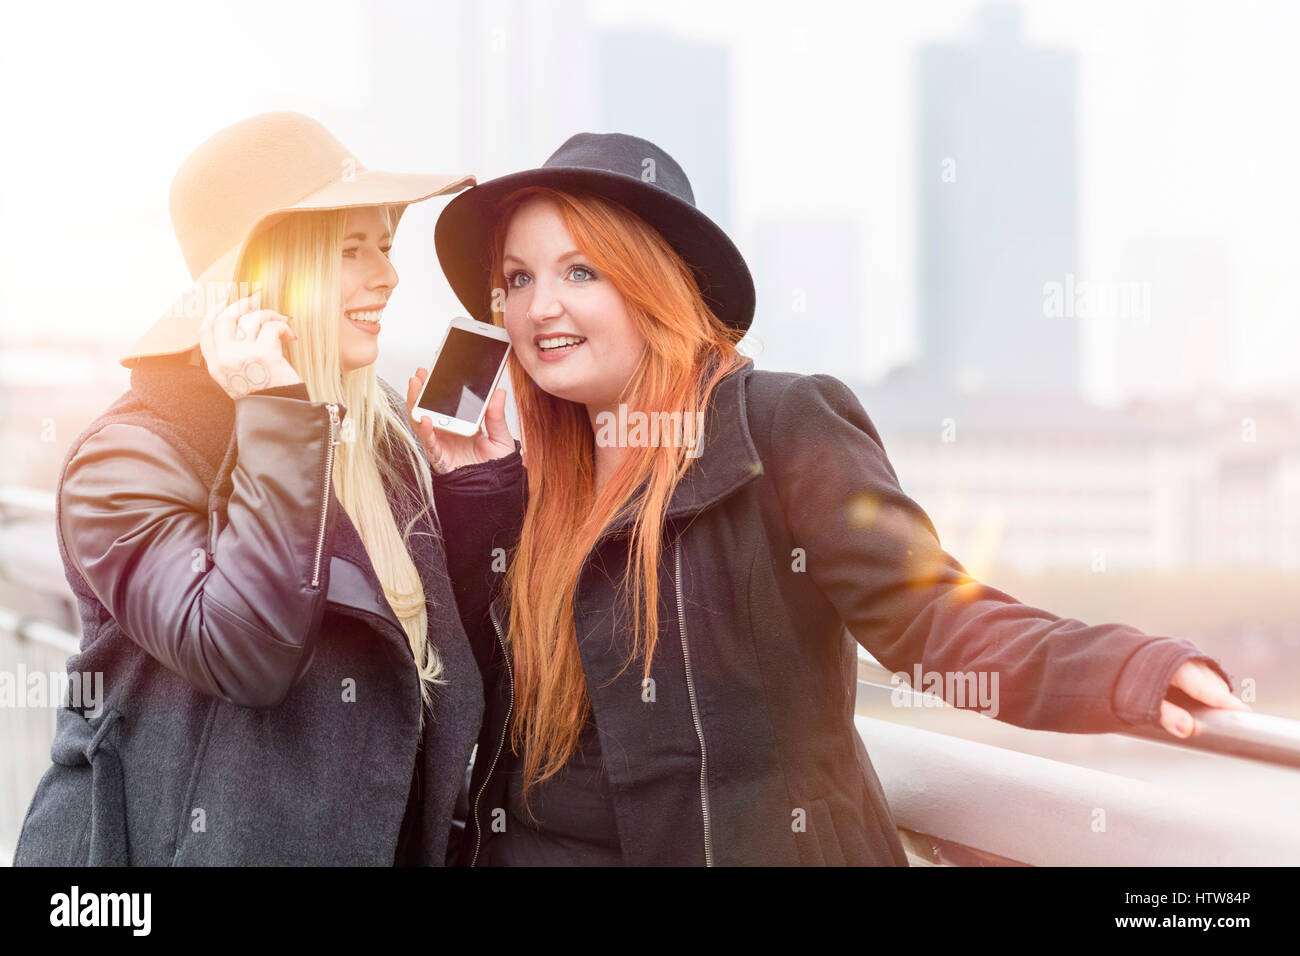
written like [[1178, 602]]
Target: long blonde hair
[[688, 352], [296, 264]]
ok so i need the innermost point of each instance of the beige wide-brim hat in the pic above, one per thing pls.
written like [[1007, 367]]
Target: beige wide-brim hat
[[247, 177]]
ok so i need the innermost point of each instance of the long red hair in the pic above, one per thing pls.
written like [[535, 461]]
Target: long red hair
[[688, 351]]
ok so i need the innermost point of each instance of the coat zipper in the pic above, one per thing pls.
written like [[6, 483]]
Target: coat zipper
[[325, 496], [695, 717], [695, 713], [478, 827]]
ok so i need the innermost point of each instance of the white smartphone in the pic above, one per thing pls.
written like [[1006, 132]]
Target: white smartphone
[[465, 373]]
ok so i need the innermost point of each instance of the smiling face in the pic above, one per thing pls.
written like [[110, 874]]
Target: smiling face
[[366, 280], [568, 325]]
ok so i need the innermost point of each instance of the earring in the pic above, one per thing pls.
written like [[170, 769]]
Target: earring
[[528, 315]]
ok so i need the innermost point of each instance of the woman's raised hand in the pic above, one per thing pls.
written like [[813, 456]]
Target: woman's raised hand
[[448, 451], [241, 345]]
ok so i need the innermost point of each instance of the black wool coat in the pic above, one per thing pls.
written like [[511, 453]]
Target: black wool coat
[[261, 699], [788, 538]]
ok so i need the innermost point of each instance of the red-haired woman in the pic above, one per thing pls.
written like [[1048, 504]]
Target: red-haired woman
[[659, 609]]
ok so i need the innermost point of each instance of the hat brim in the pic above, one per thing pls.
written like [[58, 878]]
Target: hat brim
[[463, 237], [177, 330]]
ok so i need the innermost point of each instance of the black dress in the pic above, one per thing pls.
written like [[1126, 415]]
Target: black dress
[[574, 812]]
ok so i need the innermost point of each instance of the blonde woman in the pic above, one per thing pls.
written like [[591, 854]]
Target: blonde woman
[[250, 535]]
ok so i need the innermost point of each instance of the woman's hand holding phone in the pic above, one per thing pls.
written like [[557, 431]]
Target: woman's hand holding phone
[[241, 346], [448, 451]]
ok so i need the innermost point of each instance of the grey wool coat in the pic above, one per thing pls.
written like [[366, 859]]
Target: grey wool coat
[[751, 725], [261, 702]]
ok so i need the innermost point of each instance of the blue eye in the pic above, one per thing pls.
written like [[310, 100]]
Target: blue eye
[[511, 276]]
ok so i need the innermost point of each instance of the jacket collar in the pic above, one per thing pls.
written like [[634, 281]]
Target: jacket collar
[[187, 398], [728, 459]]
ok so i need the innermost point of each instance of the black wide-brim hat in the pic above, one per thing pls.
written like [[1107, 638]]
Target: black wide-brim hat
[[628, 170]]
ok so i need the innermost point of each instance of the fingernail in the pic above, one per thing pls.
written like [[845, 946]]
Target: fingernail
[[1184, 726]]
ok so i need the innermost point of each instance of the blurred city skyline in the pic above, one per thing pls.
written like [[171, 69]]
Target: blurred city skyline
[[788, 127]]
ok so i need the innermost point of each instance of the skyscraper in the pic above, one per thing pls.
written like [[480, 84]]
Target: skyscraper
[[676, 93], [998, 217]]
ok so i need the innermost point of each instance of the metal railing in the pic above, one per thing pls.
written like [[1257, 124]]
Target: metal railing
[[962, 802], [1232, 733], [970, 803]]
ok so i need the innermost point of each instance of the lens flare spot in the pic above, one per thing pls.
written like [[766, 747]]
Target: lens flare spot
[[862, 509]]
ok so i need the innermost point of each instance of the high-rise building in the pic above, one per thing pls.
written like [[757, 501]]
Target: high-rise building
[[998, 221], [676, 93], [527, 79]]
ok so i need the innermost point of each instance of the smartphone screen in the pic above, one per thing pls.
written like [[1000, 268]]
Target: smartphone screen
[[462, 377]]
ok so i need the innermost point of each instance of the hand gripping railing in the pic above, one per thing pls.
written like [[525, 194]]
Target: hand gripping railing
[[961, 802]]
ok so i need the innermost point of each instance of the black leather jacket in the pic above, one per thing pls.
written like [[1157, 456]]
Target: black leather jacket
[[261, 703]]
